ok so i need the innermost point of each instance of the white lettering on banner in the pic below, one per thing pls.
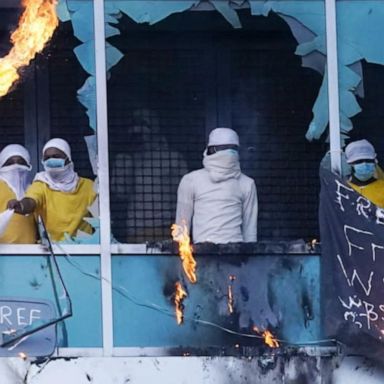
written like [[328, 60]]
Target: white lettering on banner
[[340, 195], [370, 314], [350, 244], [359, 254], [355, 275], [352, 316], [380, 216], [19, 316], [374, 247], [363, 205], [358, 309], [353, 302]]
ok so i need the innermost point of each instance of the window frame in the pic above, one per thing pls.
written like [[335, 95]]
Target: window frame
[[106, 249]]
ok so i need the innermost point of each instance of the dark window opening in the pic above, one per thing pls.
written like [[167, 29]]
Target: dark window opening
[[183, 77], [368, 124], [65, 115]]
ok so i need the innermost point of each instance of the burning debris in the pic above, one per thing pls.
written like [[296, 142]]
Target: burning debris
[[180, 234], [35, 28], [23, 356], [180, 295], [269, 339], [231, 300]]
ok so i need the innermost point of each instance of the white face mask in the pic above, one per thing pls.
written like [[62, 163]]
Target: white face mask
[[15, 167], [63, 179], [16, 177]]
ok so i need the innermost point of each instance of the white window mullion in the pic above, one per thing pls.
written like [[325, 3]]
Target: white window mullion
[[103, 175], [333, 85]]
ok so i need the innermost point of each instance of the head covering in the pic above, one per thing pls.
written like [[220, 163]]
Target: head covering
[[359, 150], [15, 175], [59, 144], [223, 136], [222, 165], [65, 179], [14, 150], [147, 117]]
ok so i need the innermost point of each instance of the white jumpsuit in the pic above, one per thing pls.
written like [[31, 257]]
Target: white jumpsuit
[[218, 201]]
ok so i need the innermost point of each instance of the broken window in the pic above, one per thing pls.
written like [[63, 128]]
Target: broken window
[[187, 75], [40, 104]]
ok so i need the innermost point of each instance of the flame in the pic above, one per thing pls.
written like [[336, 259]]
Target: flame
[[180, 295], [230, 299], [23, 356], [180, 234], [36, 27], [269, 339]]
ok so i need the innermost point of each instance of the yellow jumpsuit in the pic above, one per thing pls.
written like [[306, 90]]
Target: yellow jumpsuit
[[63, 212], [21, 229]]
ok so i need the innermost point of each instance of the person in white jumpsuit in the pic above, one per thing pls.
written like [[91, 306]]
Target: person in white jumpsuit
[[218, 203]]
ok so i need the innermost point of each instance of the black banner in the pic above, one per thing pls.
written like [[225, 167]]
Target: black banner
[[352, 237]]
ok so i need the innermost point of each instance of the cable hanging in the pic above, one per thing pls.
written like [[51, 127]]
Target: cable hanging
[[126, 294]]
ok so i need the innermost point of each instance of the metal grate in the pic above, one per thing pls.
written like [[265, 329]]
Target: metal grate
[[272, 98], [188, 83], [65, 115], [12, 117], [156, 110]]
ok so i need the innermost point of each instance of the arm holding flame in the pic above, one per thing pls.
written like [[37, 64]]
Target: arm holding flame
[[250, 211], [185, 203]]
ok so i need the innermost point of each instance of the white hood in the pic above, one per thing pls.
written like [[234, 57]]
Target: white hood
[[222, 165], [15, 175]]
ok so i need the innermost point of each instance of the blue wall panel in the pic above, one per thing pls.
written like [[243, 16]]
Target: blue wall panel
[[280, 293], [30, 277]]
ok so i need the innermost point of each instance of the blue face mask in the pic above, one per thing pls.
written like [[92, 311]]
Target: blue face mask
[[54, 163], [364, 171]]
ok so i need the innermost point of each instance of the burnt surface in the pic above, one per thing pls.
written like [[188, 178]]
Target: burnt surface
[[241, 250], [233, 295]]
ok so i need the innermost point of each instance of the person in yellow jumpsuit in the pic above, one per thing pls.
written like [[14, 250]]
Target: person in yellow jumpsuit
[[58, 194], [365, 177], [14, 171]]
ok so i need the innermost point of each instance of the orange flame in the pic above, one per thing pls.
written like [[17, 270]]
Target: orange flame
[[180, 234], [36, 27], [23, 356], [180, 295], [230, 299], [269, 339]]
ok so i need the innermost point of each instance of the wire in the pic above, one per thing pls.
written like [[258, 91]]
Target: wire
[[20, 335], [45, 236], [125, 293]]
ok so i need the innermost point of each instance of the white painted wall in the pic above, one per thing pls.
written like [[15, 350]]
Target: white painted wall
[[189, 370]]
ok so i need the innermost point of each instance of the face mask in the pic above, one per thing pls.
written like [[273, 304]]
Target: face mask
[[364, 171], [15, 167], [53, 163], [232, 152]]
